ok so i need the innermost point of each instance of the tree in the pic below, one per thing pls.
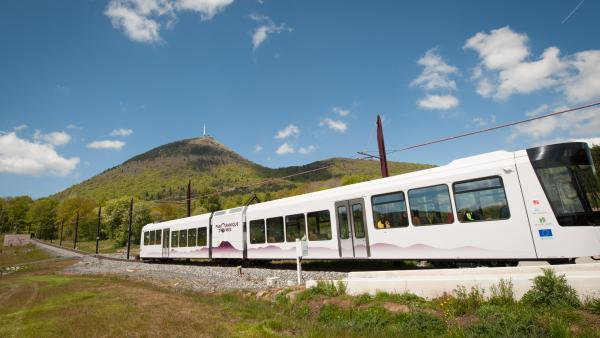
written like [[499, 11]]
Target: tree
[[595, 150], [42, 217], [17, 213], [68, 210]]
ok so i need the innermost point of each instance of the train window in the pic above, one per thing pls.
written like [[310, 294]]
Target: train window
[[430, 205], [342, 213], [389, 211], [152, 237], [183, 238], [158, 237], [357, 220], [275, 230], [295, 227], [481, 200], [319, 225], [257, 231], [146, 237], [202, 236], [192, 237], [175, 239]]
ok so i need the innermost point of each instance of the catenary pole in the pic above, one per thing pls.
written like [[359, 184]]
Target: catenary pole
[[76, 228], [129, 232], [98, 227], [381, 145], [189, 198], [62, 225]]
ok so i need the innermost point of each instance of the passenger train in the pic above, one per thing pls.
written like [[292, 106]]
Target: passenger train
[[541, 203]]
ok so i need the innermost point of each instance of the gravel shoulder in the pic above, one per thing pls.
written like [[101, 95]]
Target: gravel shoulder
[[191, 277]]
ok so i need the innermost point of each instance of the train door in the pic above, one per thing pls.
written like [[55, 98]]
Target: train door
[[352, 232], [166, 243]]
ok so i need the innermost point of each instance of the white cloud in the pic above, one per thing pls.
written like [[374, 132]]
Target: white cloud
[[258, 148], [504, 69], [290, 130], [57, 138], [141, 19], [20, 127], [22, 157], [121, 132], [340, 111], [580, 124], [442, 102], [267, 27], [483, 122], [538, 110], [434, 78], [107, 144], [307, 150], [285, 149], [436, 73], [336, 125], [585, 84], [73, 126]]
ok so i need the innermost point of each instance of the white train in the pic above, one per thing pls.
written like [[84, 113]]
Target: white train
[[537, 204]]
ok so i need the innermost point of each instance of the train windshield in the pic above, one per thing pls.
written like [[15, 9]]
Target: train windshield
[[570, 181]]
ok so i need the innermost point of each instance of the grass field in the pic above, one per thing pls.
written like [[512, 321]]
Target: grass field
[[39, 301], [104, 246]]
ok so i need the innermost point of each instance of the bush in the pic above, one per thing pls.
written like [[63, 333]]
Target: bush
[[328, 289], [467, 302], [551, 290], [402, 298], [502, 294], [593, 305], [504, 321]]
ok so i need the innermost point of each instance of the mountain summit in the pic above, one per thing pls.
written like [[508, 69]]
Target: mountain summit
[[164, 171]]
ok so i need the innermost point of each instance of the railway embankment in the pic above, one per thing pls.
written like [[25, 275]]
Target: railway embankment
[[188, 277]]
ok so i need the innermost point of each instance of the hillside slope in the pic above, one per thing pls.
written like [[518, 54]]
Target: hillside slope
[[163, 173]]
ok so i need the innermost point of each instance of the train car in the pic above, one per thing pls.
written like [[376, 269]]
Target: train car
[[542, 203]]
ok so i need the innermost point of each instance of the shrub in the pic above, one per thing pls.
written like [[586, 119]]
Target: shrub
[[502, 294], [328, 289], [505, 321], [551, 290], [402, 298], [593, 305], [467, 302], [361, 299]]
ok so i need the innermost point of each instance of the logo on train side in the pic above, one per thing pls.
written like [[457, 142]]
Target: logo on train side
[[545, 233], [226, 227]]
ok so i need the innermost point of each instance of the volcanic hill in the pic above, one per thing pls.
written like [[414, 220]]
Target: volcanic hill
[[163, 173]]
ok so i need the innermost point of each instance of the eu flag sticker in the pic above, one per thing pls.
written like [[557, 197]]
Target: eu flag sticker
[[545, 233]]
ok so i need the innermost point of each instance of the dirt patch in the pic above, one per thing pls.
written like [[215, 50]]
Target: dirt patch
[[395, 307]]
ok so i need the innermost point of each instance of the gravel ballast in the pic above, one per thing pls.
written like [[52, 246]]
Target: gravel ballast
[[194, 277]]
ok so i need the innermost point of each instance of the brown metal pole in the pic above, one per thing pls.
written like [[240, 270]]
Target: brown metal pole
[[381, 145], [129, 232], [98, 228], [189, 199], [76, 227], [62, 225]]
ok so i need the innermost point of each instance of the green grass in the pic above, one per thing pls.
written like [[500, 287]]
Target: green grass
[[41, 302], [21, 254], [104, 246]]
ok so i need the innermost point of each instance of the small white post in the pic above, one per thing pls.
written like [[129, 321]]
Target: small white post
[[299, 260]]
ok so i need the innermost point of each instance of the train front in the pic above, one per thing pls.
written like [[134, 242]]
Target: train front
[[564, 208]]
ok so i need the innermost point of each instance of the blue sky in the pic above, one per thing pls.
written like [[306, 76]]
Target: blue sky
[[85, 85]]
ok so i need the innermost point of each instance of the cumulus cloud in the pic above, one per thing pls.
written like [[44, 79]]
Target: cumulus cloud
[[57, 138], [258, 148], [20, 127], [436, 72], [267, 27], [340, 111], [581, 124], [121, 132], [22, 157], [290, 130], [435, 80], [335, 125], [307, 150], [504, 69], [285, 149], [107, 144], [141, 20], [439, 102]]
